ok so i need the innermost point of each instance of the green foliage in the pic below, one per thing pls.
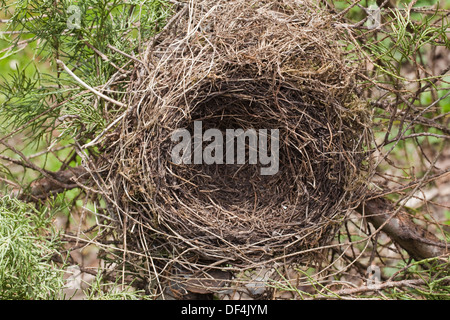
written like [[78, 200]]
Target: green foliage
[[25, 99], [38, 93], [436, 276], [27, 244], [102, 289], [45, 113]]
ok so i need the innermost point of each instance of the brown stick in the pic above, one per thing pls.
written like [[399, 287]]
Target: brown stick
[[60, 181], [418, 242]]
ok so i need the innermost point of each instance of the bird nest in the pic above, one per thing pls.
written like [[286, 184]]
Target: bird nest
[[276, 71]]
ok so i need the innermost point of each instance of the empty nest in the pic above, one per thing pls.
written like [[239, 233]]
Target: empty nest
[[240, 65]]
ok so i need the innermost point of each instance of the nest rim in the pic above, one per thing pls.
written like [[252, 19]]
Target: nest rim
[[314, 103]]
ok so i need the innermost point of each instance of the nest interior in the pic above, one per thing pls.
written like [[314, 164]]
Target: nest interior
[[275, 65]]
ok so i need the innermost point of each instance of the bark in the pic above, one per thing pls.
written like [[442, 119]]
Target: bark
[[418, 242]]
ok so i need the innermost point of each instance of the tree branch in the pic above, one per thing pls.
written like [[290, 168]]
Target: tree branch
[[59, 182], [418, 242]]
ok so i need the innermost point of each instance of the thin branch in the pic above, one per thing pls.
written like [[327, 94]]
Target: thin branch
[[61, 181], [104, 57], [125, 54], [101, 95]]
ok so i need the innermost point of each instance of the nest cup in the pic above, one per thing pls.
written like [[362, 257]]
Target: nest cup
[[273, 65]]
